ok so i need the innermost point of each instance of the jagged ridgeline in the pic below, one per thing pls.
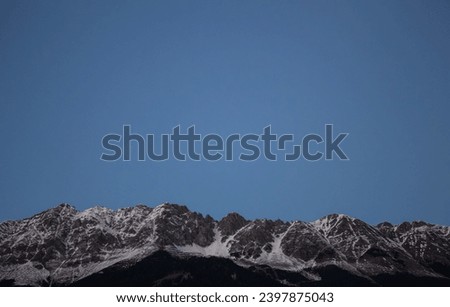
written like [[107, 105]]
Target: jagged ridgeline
[[171, 246]]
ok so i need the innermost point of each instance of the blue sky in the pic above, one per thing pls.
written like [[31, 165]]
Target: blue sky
[[73, 71]]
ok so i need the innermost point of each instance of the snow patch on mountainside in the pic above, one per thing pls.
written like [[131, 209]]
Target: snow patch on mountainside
[[217, 248]]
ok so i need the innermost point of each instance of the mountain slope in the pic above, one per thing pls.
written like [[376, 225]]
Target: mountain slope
[[63, 246]]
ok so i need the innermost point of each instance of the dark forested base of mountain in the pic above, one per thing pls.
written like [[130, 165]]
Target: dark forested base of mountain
[[162, 269]]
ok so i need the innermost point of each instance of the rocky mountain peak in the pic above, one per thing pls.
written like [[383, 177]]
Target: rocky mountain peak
[[385, 225], [231, 223]]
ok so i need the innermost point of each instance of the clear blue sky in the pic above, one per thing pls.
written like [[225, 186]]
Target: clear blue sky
[[73, 71]]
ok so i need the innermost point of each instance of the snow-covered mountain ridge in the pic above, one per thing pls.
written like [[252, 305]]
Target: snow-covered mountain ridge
[[62, 245]]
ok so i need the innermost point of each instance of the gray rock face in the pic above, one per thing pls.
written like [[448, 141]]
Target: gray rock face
[[231, 223], [255, 237], [303, 241], [428, 244], [176, 225], [365, 247], [63, 245]]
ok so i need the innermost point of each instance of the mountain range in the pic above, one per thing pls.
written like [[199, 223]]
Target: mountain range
[[169, 245]]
